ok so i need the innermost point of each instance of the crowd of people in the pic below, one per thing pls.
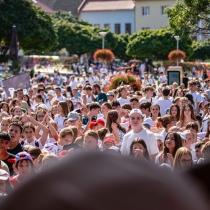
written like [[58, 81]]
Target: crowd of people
[[161, 124]]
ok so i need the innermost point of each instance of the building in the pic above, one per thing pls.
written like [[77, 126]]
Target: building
[[118, 15], [70, 6], [149, 14], [43, 7]]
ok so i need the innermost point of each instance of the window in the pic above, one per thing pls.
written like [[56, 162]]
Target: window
[[145, 11], [107, 25], [162, 10], [97, 25], [128, 28], [117, 28], [145, 28]]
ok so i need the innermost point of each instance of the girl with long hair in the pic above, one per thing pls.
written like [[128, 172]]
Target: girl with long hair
[[53, 111], [105, 108], [62, 114], [187, 115], [138, 149], [182, 160], [113, 125], [27, 100], [70, 105], [155, 113], [175, 112], [172, 143]]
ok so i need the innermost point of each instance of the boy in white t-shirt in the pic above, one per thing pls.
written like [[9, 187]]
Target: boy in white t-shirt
[[162, 78], [138, 131]]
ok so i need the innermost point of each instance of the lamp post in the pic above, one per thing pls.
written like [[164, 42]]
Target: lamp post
[[177, 45], [103, 34]]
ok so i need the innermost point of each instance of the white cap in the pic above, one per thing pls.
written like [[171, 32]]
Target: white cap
[[182, 135], [3, 175], [52, 93], [159, 136], [137, 111], [43, 106]]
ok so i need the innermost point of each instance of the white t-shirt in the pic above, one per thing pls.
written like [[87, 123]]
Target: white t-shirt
[[164, 104], [150, 100], [163, 79], [142, 67], [61, 98], [103, 70], [90, 70], [123, 100], [34, 143], [157, 160], [146, 135], [196, 97], [89, 99], [73, 84], [74, 100], [59, 120], [91, 80], [149, 121]]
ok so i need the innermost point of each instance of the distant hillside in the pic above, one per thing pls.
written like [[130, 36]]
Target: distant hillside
[[66, 5]]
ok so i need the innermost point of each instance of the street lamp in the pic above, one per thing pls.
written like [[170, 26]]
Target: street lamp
[[177, 45], [103, 34]]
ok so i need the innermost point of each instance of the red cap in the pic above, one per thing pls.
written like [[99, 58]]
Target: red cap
[[110, 140], [100, 121], [62, 153], [93, 123]]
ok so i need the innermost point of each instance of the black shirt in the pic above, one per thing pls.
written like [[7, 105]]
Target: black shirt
[[10, 164], [15, 150]]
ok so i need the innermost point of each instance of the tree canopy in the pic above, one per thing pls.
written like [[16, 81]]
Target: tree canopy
[[34, 26], [120, 49], [79, 39], [184, 17], [201, 50], [62, 15], [157, 44]]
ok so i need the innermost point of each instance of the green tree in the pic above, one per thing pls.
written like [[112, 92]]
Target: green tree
[[157, 44], [185, 15], [34, 26], [79, 39], [62, 15], [120, 49], [201, 50]]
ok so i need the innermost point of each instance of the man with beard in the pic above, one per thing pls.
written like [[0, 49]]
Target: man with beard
[[99, 96]]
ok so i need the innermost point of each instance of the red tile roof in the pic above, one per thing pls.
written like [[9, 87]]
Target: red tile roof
[[44, 7], [105, 5]]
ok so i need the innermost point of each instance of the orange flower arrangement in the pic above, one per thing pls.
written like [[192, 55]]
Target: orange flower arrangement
[[176, 55], [103, 55], [120, 80]]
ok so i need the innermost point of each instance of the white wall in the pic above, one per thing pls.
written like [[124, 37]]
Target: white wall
[[110, 17]]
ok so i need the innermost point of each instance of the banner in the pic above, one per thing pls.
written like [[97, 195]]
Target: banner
[[19, 81]]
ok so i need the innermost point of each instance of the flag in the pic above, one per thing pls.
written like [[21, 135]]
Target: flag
[[19, 81], [14, 44]]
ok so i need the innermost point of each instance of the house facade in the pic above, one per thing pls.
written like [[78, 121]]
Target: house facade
[[149, 14], [117, 15]]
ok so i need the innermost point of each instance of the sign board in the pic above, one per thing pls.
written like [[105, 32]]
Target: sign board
[[174, 74], [19, 81]]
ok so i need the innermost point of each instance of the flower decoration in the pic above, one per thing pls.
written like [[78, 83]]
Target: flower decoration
[[176, 55], [104, 55], [121, 80], [111, 116]]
